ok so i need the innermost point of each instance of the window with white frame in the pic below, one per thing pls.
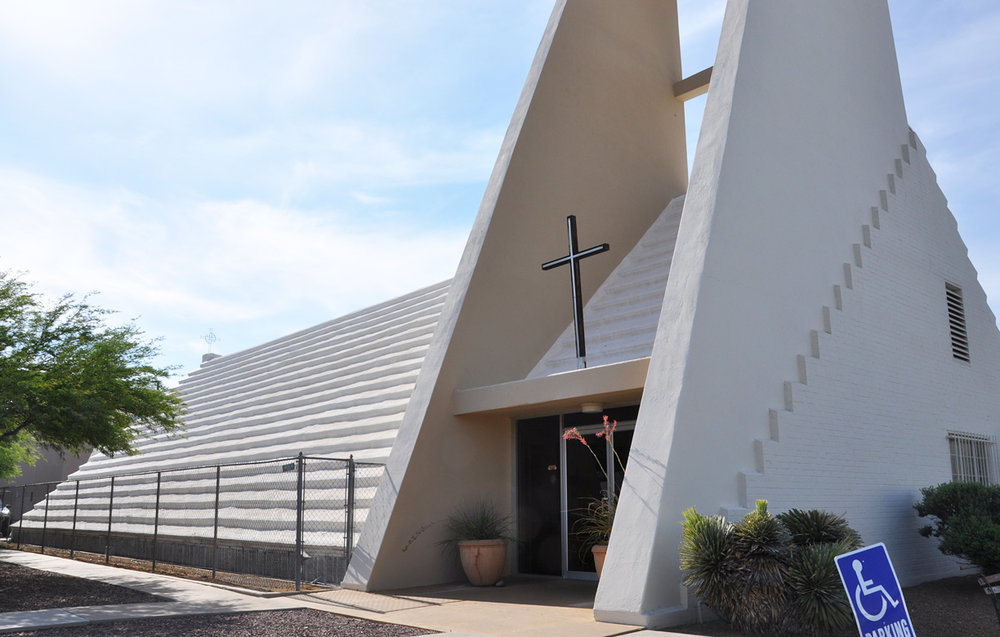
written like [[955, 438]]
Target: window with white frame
[[973, 457]]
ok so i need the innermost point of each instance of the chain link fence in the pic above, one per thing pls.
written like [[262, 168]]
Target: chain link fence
[[291, 520]]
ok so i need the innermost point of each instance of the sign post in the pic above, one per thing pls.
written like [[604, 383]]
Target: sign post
[[874, 591]]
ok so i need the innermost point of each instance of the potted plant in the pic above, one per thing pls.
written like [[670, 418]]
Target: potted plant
[[480, 533], [593, 526]]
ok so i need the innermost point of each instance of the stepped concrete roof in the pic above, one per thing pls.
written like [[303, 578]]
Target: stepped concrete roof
[[335, 389]]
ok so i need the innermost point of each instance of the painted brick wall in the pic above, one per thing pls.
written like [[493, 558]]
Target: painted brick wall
[[868, 427]]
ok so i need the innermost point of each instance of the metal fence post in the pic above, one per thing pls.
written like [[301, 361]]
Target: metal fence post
[[349, 548], [111, 509], [298, 525], [72, 533], [215, 531], [20, 518], [156, 520], [45, 518]]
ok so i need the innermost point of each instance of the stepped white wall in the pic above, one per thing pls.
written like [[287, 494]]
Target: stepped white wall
[[334, 390], [620, 319], [804, 119], [866, 422]]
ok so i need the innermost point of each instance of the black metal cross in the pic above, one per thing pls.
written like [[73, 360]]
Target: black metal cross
[[573, 259]]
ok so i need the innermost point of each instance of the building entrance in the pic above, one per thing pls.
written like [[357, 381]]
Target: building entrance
[[556, 480]]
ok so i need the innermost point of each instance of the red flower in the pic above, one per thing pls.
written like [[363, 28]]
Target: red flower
[[574, 434], [609, 428]]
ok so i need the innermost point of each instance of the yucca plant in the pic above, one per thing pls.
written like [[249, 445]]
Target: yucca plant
[[767, 574], [762, 546], [819, 527], [707, 556], [817, 602]]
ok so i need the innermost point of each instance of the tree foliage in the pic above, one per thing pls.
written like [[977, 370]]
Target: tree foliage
[[71, 382], [966, 519]]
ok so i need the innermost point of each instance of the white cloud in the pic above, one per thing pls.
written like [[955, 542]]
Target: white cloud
[[196, 264]]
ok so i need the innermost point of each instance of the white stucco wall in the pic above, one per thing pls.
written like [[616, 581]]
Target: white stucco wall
[[869, 426], [803, 121], [596, 133]]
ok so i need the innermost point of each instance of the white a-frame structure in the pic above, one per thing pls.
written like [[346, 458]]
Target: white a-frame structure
[[822, 340]]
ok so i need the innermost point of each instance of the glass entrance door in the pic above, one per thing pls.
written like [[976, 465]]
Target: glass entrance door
[[592, 473], [557, 479]]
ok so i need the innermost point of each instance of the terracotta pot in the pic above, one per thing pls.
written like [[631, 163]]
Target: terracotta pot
[[599, 551], [483, 560]]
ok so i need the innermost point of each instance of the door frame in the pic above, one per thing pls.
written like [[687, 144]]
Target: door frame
[[612, 469]]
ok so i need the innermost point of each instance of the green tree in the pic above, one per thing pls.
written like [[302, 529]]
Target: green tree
[[966, 518], [71, 382]]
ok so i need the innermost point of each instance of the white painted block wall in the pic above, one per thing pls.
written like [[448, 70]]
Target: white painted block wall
[[868, 426]]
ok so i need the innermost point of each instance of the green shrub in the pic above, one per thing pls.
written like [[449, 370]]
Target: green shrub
[[819, 527], [706, 554], [967, 521], [770, 575], [816, 595], [762, 551]]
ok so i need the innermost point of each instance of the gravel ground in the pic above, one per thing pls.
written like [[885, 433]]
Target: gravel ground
[[284, 623], [30, 589], [954, 607]]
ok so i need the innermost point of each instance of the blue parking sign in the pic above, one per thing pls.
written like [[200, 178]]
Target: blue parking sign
[[876, 598]]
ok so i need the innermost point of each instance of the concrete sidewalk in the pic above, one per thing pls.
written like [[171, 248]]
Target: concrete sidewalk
[[187, 597], [550, 607]]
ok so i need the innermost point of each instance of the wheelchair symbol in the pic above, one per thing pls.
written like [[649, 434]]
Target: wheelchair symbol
[[865, 588]]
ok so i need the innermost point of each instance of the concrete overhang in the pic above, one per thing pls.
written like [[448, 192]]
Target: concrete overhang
[[616, 383], [693, 86]]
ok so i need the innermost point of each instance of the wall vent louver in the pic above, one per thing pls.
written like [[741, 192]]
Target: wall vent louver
[[956, 320]]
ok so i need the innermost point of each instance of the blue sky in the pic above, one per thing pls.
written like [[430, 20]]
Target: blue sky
[[255, 168]]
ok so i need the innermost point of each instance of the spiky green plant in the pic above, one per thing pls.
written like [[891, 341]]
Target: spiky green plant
[[477, 520], [817, 602], [593, 527], [764, 578], [819, 527], [762, 547], [707, 558]]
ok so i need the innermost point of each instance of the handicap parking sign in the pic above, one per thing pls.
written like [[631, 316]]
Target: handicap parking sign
[[876, 598]]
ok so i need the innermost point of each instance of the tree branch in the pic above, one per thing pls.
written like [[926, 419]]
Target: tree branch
[[13, 432]]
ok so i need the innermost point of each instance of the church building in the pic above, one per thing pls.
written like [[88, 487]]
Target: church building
[[793, 318], [798, 321]]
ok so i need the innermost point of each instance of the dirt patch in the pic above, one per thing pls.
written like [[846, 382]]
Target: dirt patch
[[24, 588]]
